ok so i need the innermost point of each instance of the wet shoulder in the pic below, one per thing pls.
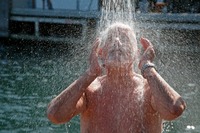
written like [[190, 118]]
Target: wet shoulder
[[142, 81], [95, 85], [139, 79]]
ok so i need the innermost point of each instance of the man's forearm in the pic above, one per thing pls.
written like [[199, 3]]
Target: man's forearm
[[166, 98], [65, 102]]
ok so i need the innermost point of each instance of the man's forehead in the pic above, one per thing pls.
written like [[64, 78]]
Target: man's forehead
[[119, 31]]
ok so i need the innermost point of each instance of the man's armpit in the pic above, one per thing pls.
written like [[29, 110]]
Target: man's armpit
[[81, 104]]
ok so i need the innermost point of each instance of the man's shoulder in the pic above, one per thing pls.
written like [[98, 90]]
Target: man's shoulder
[[96, 84], [140, 79], [138, 76]]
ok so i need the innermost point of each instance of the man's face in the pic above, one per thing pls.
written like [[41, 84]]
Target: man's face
[[118, 50]]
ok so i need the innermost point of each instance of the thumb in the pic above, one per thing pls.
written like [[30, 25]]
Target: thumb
[[145, 43]]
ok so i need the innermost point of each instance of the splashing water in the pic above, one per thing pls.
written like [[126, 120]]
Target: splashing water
[[117, 18], [116, 11], [117, 15], [117, 24]]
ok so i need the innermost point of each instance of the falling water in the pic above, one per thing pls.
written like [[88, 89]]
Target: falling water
[[112, 11], [120, 13], [116, 11]]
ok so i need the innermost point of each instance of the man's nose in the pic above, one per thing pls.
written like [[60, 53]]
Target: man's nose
[[117, 42]]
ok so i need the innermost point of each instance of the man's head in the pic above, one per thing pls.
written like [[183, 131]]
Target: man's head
[[118, 46]]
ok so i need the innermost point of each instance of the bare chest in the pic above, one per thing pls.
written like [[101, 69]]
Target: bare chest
[[118, 108], [126, 103], [116, 111]]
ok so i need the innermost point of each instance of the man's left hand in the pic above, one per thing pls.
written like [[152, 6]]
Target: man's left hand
[[149, 53]]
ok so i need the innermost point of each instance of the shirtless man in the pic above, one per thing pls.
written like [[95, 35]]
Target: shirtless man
[[119, 101]]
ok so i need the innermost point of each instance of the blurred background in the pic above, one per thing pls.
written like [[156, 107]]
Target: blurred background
[[44, 46]]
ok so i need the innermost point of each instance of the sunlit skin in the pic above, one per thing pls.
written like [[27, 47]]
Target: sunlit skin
[[120, 101]]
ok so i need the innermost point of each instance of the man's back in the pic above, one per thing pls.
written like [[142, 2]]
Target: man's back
[[119, 108]]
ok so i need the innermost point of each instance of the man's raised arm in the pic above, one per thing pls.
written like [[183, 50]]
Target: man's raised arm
[[72, 100], [165, 99]]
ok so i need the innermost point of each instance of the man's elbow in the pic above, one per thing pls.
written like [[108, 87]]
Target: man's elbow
[[177, 111], [179, 107], [52, 116], [52, 119], [56, 118]]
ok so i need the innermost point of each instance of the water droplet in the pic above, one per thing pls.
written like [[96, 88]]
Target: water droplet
[[191, 84], [189, 127]]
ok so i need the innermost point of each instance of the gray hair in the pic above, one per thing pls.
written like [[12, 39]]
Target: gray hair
[[115, 27]]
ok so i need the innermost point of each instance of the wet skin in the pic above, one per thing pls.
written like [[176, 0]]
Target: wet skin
[[119, 109], [121, 101]]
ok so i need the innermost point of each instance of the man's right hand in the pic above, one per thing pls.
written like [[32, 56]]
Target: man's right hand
[[94, 68]]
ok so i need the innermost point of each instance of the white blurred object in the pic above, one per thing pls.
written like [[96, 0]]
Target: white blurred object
[[190, 127]]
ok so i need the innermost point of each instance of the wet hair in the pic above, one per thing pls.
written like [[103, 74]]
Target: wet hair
[[119, 27]]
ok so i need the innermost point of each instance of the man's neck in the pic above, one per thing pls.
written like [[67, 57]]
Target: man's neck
[[120, 75], [119, 82]]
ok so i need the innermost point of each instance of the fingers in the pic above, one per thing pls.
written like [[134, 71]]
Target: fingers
[[145, 43], [94, 66], [148, 56], [95, 45], [149, 53]]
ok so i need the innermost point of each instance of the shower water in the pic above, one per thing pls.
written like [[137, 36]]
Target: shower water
[[116, 11], [120, 14], [112, 12]]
